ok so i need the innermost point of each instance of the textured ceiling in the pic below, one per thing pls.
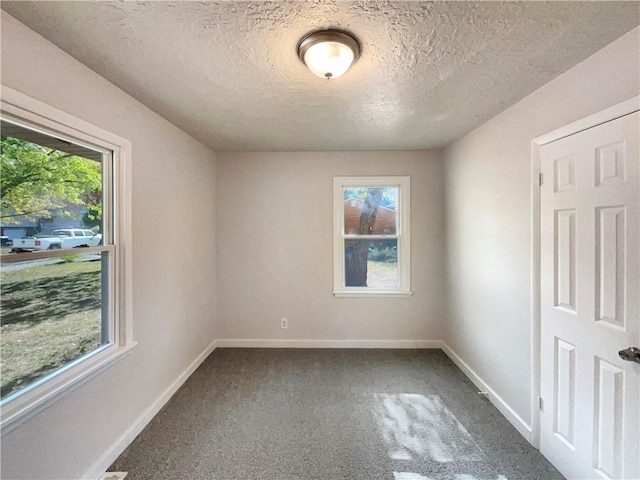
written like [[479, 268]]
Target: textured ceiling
[[228, 74]]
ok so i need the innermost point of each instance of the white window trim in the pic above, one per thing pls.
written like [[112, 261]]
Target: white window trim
[[404, 236], [23, 405]]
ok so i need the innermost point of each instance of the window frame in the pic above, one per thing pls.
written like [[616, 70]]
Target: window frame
[[403, 236], [33, 114]]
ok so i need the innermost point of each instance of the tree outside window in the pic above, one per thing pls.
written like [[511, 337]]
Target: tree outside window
[[371, 235]]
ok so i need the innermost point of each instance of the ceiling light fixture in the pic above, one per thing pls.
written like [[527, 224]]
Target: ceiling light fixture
[[328, 53]]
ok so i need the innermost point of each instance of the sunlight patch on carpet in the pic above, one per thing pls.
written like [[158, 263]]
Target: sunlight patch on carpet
[[416, 427]]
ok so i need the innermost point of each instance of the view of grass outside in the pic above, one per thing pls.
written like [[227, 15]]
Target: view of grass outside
[[382, 274], [382, 263], [50, 315]]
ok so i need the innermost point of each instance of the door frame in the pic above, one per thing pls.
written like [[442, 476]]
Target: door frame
[[619, 110]]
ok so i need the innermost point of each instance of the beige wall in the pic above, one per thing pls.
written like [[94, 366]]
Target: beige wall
[[275, 248], [488, 202], [173, 264]]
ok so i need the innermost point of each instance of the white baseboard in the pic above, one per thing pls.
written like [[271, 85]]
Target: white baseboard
[[300, 343], [99, 468], [523, 427]]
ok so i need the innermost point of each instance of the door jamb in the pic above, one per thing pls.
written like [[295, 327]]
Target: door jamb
[[619, 110]]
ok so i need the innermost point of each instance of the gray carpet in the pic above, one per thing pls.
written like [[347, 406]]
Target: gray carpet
[[287, 414]]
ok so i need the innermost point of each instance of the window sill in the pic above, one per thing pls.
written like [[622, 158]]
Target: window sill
[[42, 394], [374, 293]]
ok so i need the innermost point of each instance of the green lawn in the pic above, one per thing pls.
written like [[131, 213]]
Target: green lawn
[[50, 315]]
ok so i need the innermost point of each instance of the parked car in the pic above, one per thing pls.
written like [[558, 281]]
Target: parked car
[[5, 241], [57, 239]]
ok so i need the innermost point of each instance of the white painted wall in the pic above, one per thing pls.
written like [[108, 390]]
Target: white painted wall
[[174, 288], [275, 241], [488, 214]]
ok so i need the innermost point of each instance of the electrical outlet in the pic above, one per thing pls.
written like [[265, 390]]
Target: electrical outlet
[[284, 323]]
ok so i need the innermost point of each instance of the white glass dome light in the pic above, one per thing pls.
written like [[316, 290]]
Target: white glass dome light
[[328, 53]]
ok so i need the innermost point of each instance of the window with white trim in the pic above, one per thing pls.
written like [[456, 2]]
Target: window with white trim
[[65, 309], [371, 236]]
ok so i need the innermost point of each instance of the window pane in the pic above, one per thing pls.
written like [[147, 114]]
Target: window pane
[[51, 314], [50, 188], [371, 263], [370, 211]]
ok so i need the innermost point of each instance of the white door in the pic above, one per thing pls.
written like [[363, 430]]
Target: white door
[[590, 248]]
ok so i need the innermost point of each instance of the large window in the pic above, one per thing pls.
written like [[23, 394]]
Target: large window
[[63, 304], [371, 236]]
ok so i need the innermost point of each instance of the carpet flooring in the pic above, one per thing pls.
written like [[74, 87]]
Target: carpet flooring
[[285, 414]]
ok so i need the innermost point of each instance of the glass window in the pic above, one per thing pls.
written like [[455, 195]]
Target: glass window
[[371, 263], [51, 315], [52, 306], [371, 238], [63, 314]]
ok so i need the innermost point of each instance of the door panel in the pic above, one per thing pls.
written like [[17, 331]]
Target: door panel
[[610, 277], [608, 417], [590, 250], [565, 392]]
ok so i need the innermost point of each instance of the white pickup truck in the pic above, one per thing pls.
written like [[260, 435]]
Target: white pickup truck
[[59, 238]]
